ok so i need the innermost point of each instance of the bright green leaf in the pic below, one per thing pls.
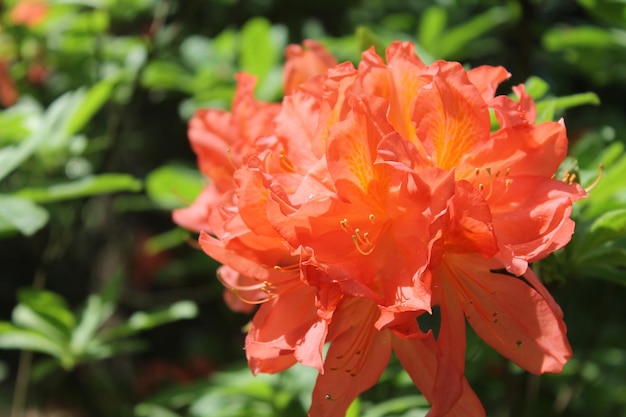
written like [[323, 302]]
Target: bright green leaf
[[566, 102], [367, 39], [431, 27], [92, 185], [141, 321], [536, 87], [397, 405], [19, 214], [92, 102], [173, 186], [154, 410], [166, 240], [355, 408], [258, 54], [167, 75], [12, 337], [607, 227], [49, 304], [27, 318], [455, 39]]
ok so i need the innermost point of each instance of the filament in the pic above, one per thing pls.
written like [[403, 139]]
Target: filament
[[597, 180]]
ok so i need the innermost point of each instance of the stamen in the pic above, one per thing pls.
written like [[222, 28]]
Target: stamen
[[372, 217], [355, 239], [230, 159], [477, 171], [566, 175], [285, 163], [597, 180], [288, 268], [252, 302]]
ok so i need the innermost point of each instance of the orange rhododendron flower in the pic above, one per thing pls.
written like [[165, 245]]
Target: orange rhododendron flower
[[29, 12], [372, 196], [8, 90]]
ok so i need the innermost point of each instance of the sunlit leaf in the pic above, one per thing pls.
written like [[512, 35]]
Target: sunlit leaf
[[166, 240], [609, 226], [13, 337], [21, 215], [258, 55], [141, 321], [92, 102], [88, 186], [173, 186], [153, 410], [367, 39], [455, 39], [431, 27]]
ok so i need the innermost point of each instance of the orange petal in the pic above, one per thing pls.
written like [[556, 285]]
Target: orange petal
[[532, 216], [286, 324], [357, 357], [398, 82], [487, 79], [304, 63], [421, 358], [510, 315], [451, 116]]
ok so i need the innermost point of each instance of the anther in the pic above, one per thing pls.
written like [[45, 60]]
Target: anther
[[371, 217], [477, 171]]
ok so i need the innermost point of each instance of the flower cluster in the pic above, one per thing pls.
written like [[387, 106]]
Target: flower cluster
[[374, 195]]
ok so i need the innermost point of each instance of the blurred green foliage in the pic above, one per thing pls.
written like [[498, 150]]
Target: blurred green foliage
[[93, 156]]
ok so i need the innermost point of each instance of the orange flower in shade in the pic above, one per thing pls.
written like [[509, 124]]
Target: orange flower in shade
[[28, 12], [370, 197], [8, 90]]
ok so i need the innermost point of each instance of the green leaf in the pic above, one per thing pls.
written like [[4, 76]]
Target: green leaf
[[355, 408], [27, 318], [48, 304], [258, 54], [536, 87], [91, 103], [12, 337], [431, 27], [92, 185], [566, 102], [98, 309], [397, 405], [609, 226], [591, 37], [97, 350], [367, 39], [609, 193], [19, 214], [455, 39], [173, 186], [167, 75], [142, 321], [154, 410], [166, 240]]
